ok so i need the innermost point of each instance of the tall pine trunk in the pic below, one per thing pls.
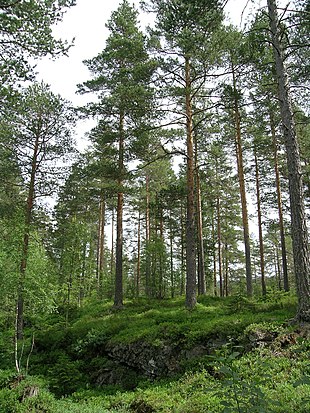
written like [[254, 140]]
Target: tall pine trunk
[[277, 267], [138, 276], [214, 256], [112, 252], [190, 220], [118, 294], [226, 270], [245, 220], [100, 246], [82, 276], [182, 283], [201, 258], [147, 239], [171, 257], [279, 201], [260, 226], [298, 219], [219, 244], [161, 289]]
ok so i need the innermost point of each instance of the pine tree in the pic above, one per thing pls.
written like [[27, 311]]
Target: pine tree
[[41, 134], [298, 220], [121, 78], [26, 31], [186, 28]]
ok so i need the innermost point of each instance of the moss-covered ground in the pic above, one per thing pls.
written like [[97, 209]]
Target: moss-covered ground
[[233, 378]]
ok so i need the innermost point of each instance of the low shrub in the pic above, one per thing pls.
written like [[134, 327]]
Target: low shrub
[[21, 394], [65, 376]]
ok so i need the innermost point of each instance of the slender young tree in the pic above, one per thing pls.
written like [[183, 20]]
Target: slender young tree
[[222, 216], [260, 226]]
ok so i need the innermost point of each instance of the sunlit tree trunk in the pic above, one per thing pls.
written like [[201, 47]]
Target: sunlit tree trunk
[[171, 258], [112, 249], [138, 276], [277, 267], [218, 269], [100, 246], [102, 239], [98, 249], [190, 220], [118, 294], [226, 271], [214, 257], [260, 229], [201, 264], [82, 275], [280, 209], [161, 254], [219, 245], [69, 287], [147, 239], [182, 286], [245, 220]]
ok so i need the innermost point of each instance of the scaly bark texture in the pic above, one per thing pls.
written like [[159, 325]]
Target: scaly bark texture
[[112, 249], [245, 220], [201, 258], [138, 276], [298, 219], [118, 295], [214, 257], [280, 209], [219, 244], [147, 240], [100, 246], [171, 258], [226, 290], [161, 287], [182, 252], [260, 226], [191, 297]]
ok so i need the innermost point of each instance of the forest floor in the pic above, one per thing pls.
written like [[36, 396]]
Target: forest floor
[[228, 355]]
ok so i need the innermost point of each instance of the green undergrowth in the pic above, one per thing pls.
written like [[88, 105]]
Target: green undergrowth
[[233, 378], [261, 381], [167, 319]]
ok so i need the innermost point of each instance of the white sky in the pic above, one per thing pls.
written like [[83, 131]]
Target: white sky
[[86, 23]]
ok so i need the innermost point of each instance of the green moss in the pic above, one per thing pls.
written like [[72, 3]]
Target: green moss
[[69, 354]]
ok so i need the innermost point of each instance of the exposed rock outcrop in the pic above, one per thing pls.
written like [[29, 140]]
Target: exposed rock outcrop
[[125, 363], [152, 361], [141, 358]]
